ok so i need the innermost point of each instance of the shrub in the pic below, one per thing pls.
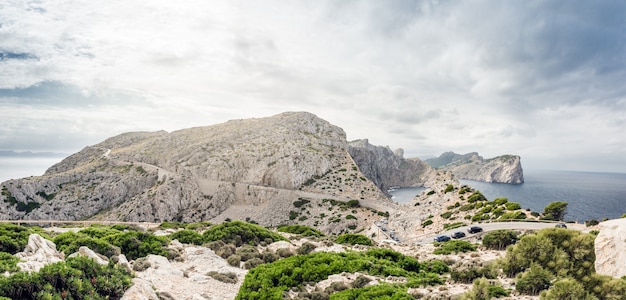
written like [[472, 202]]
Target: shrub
[[476, 196], [269, 256], [234, 260], [591, 222], [248, 252], [426, 223], [198, 225], [500, 201], [454, 247], [253, 263], [171, 225], [141, 264], [240, 233], [499, 239], [306, 248], [449, 188], [513, 206], [138, 244], [360, 282], [300, 202], [226, 251], [229, 277], [75, 278], [187, 236], [446, 215], [467, 207], [13, 238], [469, 272], [8, 262], [567, 289], [534, 280], [353, 239], [300, 229], [69, 242], [284, 252]]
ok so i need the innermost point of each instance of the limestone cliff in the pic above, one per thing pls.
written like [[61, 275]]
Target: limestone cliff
[[387, 168], [254, 168], [502, 169]]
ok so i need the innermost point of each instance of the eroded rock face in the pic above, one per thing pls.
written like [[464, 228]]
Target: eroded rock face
[[610, 248], [387, 168], [38, 253], [502, 169]]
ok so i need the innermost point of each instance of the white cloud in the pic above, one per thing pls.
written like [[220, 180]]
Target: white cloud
[[529, 78]]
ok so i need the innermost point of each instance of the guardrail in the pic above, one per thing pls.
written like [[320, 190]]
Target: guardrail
[[52, 223]]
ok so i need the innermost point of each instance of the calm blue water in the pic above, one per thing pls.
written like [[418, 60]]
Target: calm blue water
[[590, 195]]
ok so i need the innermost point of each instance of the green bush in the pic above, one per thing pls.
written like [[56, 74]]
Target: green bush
[[449, 188], [379, 291], [8, 262], [13, 238], [513, 206], [234, 260], [138, 244], [446, 215], [69, 242], [534, 280], [301, 230], [476, 196], [568, 289], [468, 273], [454, 247], [499, 239], [239, 233], [269, 281], [500, 201], [426, 223], [300, 202], [76, 278], [187, 236], [172, 225], [353, 239], [467, 207]]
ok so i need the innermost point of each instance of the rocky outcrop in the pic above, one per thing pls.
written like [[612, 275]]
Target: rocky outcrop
[[252, 168], [502, 169], [387, 168], [609, 247], [38, 253]]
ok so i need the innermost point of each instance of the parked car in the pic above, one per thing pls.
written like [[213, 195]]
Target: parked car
[[474, 229], [458, 235], [560, 225], [442, 238]]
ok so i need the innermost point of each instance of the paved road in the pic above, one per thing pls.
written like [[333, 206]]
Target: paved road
[[501, 225]]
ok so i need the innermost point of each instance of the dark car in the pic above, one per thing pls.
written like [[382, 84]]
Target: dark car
[[474, 229], [560, 225], [458, 235], [442, 238]]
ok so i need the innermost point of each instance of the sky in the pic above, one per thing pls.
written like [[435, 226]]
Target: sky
[[545, 80]]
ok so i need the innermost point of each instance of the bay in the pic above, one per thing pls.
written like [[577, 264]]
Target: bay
[[589, 195]]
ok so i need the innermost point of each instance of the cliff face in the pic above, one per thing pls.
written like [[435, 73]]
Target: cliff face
[[253, 167], [387, 168], [502, 169]]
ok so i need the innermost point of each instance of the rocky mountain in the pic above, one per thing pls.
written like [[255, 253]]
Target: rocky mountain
[[502, 169], [263, 169], [387, 168]]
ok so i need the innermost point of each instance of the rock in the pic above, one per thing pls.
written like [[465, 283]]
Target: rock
[[86, 252], [387, 168], [502, 169], [123, 261], [140, 290], [38, 253], [609, 247]]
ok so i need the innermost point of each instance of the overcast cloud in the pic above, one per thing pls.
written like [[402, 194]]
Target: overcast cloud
[[542, 79]]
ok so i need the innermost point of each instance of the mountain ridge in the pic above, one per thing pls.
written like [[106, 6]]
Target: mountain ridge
[[502, 169]]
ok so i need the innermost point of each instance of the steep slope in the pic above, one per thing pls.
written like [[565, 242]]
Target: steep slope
[[387, 168], [253, 168], [502, 169]]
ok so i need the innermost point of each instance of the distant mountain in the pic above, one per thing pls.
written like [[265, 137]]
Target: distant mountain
[[502, 169]]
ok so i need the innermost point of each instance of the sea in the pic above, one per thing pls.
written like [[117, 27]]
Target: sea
[[589, 195]]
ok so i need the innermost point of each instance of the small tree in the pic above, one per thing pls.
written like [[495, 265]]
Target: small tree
[[534, 280], [499, 239], [566, 289], [555, 211]]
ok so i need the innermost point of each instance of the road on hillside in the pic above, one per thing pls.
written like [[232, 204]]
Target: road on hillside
[[497, 226]]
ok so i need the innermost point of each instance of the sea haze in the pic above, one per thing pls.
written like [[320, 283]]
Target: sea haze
[[20, 167], [589, 195]]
